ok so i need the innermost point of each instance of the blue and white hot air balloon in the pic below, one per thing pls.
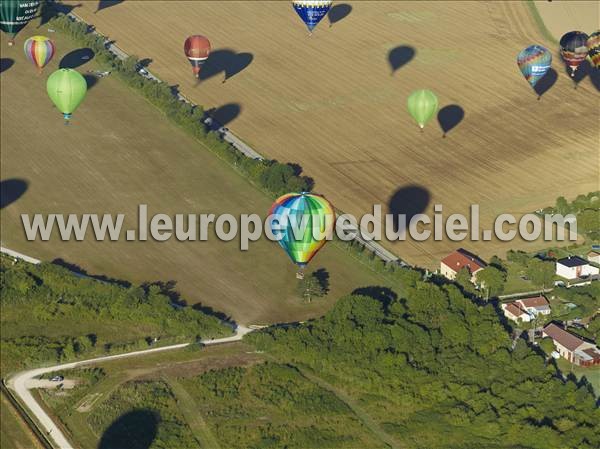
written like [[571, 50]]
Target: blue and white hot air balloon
[[311, 11]]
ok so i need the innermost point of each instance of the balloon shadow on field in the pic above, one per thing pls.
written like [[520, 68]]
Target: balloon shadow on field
[[105, 4], [76, 58], [11, 190], [580, 73], [224, 115], [407, 201], [595, 78], [50, 10], [90, 80], [400, 56], [5, 64], [546, 82], [449, 117], [227, 61], [338, 13], [136, 429]]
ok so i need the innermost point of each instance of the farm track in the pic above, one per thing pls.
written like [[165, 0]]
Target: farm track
[[329, 102]]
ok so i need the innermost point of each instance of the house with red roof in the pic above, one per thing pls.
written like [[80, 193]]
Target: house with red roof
[[461, 258], [526, 309], [571, 347]]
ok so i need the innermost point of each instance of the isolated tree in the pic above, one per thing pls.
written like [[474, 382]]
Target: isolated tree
[[541, 272], [562, 205], [310, 287], [495, 261], [491, 280]]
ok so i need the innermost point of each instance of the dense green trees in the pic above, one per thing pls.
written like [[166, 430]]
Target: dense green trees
[[586, 209], [437, 371], [49, 314], [491, 280]]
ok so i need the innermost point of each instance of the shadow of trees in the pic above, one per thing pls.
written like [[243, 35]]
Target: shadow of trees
[[11, 190]]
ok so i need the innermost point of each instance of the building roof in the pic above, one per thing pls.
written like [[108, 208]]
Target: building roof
[[514, 309], [462, 258], [593, 253], [535, 301], [572, 261], [591, 353], [564, 338]]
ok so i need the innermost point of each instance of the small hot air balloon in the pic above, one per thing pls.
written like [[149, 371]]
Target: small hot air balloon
[[573, 49], [66, 88], [593, 46], [311, 11], [39, 50], [197, 49], [15, 14], [422, 106], [534, 62], [303, 222]]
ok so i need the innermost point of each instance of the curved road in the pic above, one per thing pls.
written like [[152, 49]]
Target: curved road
[[19, 382]]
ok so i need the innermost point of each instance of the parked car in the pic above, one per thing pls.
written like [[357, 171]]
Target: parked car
[[57, 379]]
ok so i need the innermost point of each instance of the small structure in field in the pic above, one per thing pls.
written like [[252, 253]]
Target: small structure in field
[[574, 267], [526, 309], [459, 259], [571, 347], [593, 256]]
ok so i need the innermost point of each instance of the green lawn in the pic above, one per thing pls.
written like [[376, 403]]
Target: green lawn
[[14, 433], [592, 374]]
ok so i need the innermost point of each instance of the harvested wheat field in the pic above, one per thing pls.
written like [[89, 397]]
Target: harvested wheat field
[[335, 103]]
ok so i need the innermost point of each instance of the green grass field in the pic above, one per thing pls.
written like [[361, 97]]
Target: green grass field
[[118, 152], [14, 433]]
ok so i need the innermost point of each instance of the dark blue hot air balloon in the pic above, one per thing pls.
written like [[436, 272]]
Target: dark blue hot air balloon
[[311, 11]]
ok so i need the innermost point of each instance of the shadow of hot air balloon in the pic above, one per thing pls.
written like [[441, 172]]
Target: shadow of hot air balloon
[[338, 13], [582, 71], [407, 201], [223, 115], [227, 61], [90, 80], [136, 429], [449, 117], [105, 4], [5, 64], [76, 58], [400, 56], [11, 190], [546, 82], [595, 78]]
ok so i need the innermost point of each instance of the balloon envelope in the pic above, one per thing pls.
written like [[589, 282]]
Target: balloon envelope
[[303, 222], [573, 49], [593, 46], [422, 106], [197, 50], [39, 50], [534, 62], [66, 88], [311, 11], [15, 14]]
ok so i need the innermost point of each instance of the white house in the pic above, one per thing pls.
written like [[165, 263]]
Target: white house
[[459, 259], [574, 267], [594, 256], [526, 309]]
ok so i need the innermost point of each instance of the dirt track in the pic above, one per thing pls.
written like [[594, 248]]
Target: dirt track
[[331, 103]]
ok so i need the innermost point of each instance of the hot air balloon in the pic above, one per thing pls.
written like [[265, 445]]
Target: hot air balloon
[[573, 49], [593, 46], [311, 11], [534, 62], [197, 49], [39, 50], [15, 14], [422, 106], [302, 222], [66, 88]]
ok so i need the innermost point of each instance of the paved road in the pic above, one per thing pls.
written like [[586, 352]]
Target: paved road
[[20, 382]]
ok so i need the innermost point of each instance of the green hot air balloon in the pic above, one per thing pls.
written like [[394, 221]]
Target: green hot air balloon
[[66, 88], [422, 106], [15, 14]]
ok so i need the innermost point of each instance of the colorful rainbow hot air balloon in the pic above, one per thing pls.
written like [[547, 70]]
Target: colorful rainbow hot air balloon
[[422, 106], [197, 49], [573, 49], [66, 88], [302, 222], [534, 62], [593, 46], [15, 14], [39, 50], [311, 11]]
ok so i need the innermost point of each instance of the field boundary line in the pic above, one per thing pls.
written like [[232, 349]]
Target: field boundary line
[[539, 21], [18, 255]]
